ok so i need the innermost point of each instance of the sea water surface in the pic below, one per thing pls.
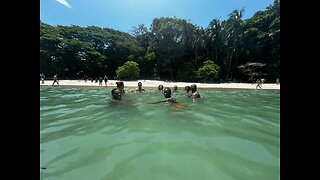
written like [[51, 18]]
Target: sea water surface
[[226, 134]]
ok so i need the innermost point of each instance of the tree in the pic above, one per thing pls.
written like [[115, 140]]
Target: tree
[[171, 41], [252, 69], [209, 71], [130, 70], [234, 29]]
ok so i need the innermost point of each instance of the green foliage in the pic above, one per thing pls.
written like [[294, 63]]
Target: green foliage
[[150, 56], [209, 71], [130, 70], [171, 48]]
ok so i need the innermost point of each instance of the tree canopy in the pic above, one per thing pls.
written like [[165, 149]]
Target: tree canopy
[[172, 48]]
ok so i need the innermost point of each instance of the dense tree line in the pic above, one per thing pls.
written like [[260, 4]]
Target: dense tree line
[[172, 49]]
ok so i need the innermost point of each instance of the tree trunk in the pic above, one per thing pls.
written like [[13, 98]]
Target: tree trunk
[[230, 59], [216, 51]]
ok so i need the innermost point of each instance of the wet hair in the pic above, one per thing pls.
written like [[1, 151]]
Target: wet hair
[[187, 88], [160, 87], [120, 84], [116, 94], [139, 84], [193, 88], [175, 87], [167, 92]]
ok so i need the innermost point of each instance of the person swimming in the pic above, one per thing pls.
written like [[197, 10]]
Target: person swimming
[[193, 92], [175, 88], [139, 88], [187, 88], [160, 87], [115, 95], [167, 96], [120, 86]]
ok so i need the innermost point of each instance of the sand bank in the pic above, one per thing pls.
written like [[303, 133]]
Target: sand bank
[[155, 83]]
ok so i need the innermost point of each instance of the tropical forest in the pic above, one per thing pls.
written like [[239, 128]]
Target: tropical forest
[[174, 49]]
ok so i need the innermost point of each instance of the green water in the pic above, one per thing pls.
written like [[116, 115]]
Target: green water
[[227, 134]]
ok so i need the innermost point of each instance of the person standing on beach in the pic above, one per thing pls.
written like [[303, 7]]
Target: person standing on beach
[[55, 79], [100, 81], [42, 76], [105, 80]]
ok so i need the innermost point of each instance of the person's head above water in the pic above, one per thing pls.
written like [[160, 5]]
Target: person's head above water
[[116, 94], [160, 87], [140, 89], [194, 93], [120, 84], [175, 87], [193, 88], [167, 92], [187, 88]]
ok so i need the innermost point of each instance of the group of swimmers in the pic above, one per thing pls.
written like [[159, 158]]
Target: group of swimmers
[[116, 93]]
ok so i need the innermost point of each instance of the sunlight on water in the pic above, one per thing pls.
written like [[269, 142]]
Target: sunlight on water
[[227, 134]]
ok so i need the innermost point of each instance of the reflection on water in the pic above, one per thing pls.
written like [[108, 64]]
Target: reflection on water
[[227, 134]]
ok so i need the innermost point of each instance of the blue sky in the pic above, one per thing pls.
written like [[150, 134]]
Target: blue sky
[[123, 15]]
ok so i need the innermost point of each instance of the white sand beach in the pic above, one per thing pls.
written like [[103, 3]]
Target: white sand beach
[[155, 83]]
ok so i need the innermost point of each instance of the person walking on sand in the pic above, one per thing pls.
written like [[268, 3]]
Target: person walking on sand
[[105, 80], [259, 82], [55, 79]]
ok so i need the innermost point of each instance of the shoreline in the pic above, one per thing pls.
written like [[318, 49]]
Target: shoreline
[[153, 84]]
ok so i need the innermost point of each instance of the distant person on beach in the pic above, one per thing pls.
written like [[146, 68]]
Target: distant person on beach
[[55, 79], [278, 81], [194, 92], [259, 84], [105, 80], [115, 95], [42, 76], [160, 87], [139, 88], [100, 81], [120, 86]]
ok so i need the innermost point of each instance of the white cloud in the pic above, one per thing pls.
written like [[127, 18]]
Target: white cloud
[[64, 2]]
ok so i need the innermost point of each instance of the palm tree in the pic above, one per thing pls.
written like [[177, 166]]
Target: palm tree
[[213, 34], [234, 29], [198, 43]]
